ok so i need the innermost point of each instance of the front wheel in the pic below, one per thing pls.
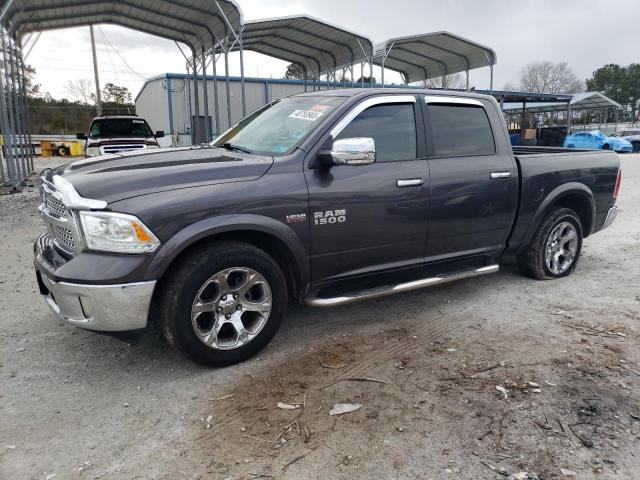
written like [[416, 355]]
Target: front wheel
[[555, 248], [223, 303]]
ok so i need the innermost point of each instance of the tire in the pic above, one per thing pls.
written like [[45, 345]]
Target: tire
[[63, 151], [606, 146], [199, 296], [636, 147], [533, 261]]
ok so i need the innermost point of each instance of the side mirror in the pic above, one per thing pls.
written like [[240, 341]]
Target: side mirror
[[81, 136], [159, 134], [350, 151]]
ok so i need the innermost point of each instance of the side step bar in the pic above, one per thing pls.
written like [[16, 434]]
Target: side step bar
[[401, 287]]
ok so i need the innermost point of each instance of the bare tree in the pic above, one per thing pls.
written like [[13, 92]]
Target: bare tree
[[549, 77], [453, 81], [81, 90]]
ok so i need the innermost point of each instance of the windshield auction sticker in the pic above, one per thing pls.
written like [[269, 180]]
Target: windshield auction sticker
[[309, 115]]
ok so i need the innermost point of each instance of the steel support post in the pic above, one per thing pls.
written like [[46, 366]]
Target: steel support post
[[371, 72], [491, 80], [467, 87], [216, 105], [226, 74], [205, 98], [95, 72], [19, 142], [244, 100], [568, 118], [197, 136]]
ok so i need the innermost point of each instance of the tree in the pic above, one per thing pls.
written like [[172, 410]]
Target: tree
[[115, 94], [294, 72], [366, 80], [453, 81], [81, 90], [622, 84], [32, 88], [549, 77]]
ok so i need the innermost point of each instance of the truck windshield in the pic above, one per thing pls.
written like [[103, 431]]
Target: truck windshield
[[120, 127], [278, 127]]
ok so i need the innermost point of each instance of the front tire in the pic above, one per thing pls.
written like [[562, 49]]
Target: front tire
[[223, 303], [555, 248]]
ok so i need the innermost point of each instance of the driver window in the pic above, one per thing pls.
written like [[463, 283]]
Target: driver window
[[392, 127]]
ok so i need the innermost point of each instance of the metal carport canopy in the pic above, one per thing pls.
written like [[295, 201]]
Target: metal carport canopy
[[197, 23], [317, 46], [430, 55], [579, 101]]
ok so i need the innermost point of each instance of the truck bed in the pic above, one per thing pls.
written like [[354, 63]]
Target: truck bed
[[546, 170]]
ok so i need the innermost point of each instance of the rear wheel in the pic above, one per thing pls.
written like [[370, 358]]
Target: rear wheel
[[606, 146], [223, 303], [556, 246], [636, 147]]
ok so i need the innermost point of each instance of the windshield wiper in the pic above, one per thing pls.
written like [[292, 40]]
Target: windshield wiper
[[230, 146]]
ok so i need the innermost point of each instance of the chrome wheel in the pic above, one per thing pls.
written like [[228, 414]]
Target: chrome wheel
[[231, 308], [561, 248]]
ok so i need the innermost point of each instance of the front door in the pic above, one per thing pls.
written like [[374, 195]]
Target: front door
[[474, 180], [370, 217]]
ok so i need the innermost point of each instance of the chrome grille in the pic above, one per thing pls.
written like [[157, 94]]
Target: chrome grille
[[63, 238], [54, 205], [121, 148]]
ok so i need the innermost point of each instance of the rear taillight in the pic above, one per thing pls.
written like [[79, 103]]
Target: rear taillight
[[618, 181]]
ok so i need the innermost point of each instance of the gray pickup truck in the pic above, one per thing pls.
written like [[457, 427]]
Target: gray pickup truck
[[325, 198]]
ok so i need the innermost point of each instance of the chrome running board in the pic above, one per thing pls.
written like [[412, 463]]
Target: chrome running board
[[401, 287]]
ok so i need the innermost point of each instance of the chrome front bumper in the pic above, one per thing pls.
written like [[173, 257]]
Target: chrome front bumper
[[107, 308], [611, 216]]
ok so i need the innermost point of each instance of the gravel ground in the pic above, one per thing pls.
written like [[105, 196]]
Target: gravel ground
[[81, 405]]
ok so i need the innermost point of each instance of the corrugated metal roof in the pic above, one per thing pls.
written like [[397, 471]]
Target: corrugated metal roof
[[317, 46], [578, 101], [194, 22], [430, 55]]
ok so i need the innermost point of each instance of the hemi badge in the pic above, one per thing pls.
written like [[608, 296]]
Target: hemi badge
[[296, 218]]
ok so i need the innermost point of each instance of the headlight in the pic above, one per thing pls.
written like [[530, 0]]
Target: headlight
[[92, 151], [153, 146], [116, 232]]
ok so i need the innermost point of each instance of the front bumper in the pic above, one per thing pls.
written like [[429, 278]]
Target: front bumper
[[611, 216], [106, 308]]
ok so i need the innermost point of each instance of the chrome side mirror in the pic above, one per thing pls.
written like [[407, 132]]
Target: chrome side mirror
[[350, 151]]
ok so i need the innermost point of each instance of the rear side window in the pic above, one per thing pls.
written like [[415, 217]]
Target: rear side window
[[392, 127], [460, 130]]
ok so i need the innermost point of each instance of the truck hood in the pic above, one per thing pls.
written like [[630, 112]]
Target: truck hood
[[130, 174]]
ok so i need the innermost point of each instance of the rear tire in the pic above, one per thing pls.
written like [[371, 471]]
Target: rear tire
[[636, 147], [555, 248], [206, 309], [606, 146]]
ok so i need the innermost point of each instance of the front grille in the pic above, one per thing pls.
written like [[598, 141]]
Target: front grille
[[63, 237], [54, 205], [121, 148]]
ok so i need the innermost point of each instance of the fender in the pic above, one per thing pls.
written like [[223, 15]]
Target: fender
[[186, 237], [553, 196]]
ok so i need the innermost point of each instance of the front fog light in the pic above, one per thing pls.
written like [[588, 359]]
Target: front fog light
[[116, 232]]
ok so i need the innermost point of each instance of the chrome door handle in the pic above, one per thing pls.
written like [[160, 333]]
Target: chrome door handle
[[409, 182], [495, 175]]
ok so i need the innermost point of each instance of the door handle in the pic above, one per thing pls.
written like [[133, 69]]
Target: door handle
[[495, 175], [409, 182]]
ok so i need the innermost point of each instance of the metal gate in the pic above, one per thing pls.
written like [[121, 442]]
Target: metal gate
[[16, 149]]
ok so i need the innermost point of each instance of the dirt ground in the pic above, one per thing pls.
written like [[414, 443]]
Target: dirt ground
[[424, 366]]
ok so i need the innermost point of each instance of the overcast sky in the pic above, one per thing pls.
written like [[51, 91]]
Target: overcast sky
[[585, 33]]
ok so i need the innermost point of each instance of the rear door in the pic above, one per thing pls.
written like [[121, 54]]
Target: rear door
[[473, 179], [372, 217]]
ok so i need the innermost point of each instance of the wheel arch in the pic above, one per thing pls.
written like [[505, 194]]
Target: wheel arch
[[271, 236], [576, 196]]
